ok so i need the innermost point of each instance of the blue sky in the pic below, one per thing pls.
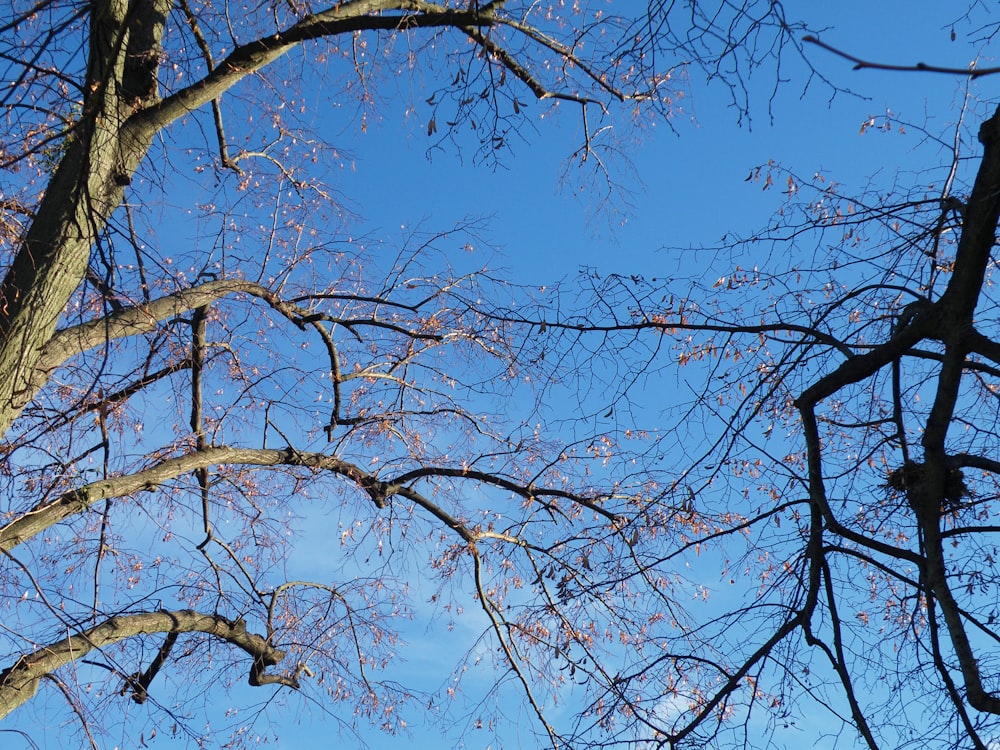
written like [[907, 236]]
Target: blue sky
[[688, 189]]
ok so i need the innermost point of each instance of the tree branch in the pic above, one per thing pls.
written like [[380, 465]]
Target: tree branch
[[342, 18], [19, 682], [920, 67], [132, 321], [68, 504]]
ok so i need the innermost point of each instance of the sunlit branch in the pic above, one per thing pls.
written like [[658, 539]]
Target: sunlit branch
[[132, 321], [343, 18], [78, 500], [509, 648], [19, 682], [75, 501]]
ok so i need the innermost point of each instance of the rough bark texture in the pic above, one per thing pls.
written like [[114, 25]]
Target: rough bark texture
[[122, 113], [104, 150], [78, 500], [19, 682]]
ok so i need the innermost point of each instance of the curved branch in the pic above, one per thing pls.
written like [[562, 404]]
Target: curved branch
[[68, 342], [342, 18], [75, 501], [130, 321], [78, 500], [19, 682], [528, 492]]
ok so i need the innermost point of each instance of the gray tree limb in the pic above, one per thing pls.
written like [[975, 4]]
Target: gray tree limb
[[19, 682]]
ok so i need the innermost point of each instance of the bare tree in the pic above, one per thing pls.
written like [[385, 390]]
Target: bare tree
[[193, 358], [834, 477], [177, 394], [843, 469]]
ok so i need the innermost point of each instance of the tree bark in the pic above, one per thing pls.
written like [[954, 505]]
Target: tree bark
[[42, 517], [122, 113], [20, 681]]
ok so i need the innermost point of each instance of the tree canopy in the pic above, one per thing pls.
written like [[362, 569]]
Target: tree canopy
[[200, 366]]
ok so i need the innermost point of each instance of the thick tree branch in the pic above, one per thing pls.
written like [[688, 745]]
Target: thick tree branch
[[979, 228], [139, 682], [100, 156], [132, 321], [144, 318], [68, 504], [19, 682], [949, 320], [112, 139], [863, 366], [342, 18], [959, 302], [79, 500]]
